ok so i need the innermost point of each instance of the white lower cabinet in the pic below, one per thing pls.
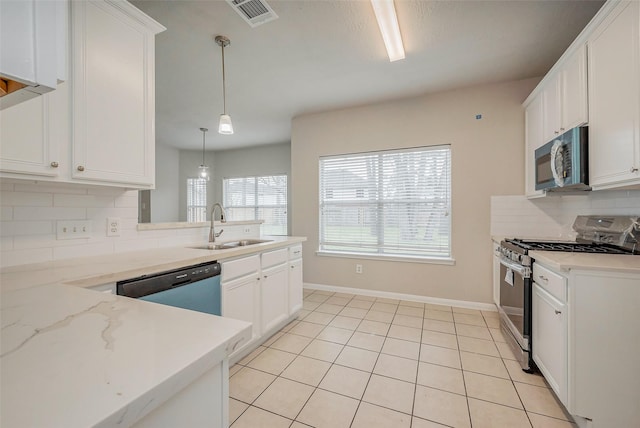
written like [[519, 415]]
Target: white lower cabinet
[[264, 289], [240, 294], [274, 291], [295, 286], [584, 344], [549, 331]]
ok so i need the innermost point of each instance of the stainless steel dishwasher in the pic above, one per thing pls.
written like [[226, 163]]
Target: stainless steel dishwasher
[[194, 287]]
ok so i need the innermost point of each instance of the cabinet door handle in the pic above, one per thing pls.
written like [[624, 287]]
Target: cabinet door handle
[[634, 169], [558, 312], [292, 267], [54, 164], [265, 277], [561, 129], [543, 278], [80, 168], [556, 132]]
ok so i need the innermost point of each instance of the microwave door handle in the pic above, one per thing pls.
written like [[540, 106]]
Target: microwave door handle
[[523, 271], [556, 152]]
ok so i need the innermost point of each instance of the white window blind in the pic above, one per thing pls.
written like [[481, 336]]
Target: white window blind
[[258, 198], [387, 203], [196, 199]]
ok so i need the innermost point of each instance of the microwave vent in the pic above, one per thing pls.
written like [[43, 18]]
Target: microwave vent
[[254, 12]]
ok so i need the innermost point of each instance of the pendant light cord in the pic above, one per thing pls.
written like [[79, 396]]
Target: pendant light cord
[[203, 133], [224, 85]]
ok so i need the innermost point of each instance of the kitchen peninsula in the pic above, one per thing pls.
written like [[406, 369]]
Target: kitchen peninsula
[[76, 357]]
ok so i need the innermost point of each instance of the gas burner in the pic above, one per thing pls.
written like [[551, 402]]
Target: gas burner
[[570, 247]]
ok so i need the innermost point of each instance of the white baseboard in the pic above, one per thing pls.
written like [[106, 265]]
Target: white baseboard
[[401, 296]]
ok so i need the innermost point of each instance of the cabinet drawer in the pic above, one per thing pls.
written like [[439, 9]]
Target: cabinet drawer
[[273, 258], [295, 252], [240, 267], [553, 283]]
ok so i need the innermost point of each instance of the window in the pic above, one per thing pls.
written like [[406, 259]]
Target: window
[[258, 198], [387, 203], [196, 199]]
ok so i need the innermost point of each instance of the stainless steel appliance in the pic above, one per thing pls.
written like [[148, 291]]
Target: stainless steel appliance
[[194, 287], [562, 164], [595, 234]]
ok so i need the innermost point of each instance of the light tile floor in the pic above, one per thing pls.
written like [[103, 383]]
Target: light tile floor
[[359, 361]]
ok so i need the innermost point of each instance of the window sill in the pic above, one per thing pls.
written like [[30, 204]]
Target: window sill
[[389, 258]]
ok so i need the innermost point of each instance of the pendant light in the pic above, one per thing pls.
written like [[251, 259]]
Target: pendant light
[[203, 170], [225, 126]]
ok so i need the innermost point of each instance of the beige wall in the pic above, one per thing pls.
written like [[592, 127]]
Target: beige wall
[[487, 159], [272, 159]]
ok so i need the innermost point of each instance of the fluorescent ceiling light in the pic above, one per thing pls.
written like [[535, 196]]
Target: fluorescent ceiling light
[[388, 22]]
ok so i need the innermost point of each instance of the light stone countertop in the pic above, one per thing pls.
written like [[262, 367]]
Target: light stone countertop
[[74, 357], [560, 260]]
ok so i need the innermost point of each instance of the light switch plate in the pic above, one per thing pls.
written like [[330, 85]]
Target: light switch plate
[[73, 229]]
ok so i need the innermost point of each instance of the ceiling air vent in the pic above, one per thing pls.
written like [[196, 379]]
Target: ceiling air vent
[[255, 12]]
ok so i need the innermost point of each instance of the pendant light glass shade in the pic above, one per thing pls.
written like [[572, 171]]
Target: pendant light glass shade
[[203, 170], [225, 126]]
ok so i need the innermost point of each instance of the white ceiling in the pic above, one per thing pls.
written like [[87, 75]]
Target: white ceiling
[[324, 55]]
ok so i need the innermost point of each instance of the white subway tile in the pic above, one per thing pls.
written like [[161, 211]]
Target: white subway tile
[[127, 200], [40, 186], [83, 250], [45, 241], [49, 213], [84, 201], [26, 199], [103, 213], [6, 186], [106, 191], [124, 245], [22, 257], [16, 228], [6, 243], [6, 213]]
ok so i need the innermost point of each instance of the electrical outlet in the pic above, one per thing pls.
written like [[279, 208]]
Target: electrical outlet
[[113, 226], [73, 229], [358, 268]]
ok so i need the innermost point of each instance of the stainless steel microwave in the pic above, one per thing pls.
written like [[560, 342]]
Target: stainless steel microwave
[[562, 164]]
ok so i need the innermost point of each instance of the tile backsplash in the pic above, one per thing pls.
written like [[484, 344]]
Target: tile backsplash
[[553, 216], [29, 212]]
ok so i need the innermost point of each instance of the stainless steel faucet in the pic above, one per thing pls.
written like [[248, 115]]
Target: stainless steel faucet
[[212, 233]]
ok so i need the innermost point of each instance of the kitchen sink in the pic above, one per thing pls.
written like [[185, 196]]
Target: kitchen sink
[[231, 244]]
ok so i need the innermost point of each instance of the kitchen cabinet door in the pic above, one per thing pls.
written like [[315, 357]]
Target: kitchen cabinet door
[[574, 105], [549, 340], [552, 108], [533, 134], [614, 99], [113, 50], [27, 145], [274, 294], [295, 286], [240, 300]]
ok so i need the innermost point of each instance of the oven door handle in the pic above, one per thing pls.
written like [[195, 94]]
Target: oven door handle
[[523, 271]]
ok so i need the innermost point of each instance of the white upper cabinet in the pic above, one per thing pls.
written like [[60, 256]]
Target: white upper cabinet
[[113, 93], [533, 135], [614, 99], [565, 97], [25, 143], [33, 48], [98, 127]]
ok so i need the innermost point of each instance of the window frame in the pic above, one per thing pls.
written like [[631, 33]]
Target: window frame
[[256, 207], [192, 207], [446, 259]]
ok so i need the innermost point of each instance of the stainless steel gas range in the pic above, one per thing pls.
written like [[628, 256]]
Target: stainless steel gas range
[[595, 234]]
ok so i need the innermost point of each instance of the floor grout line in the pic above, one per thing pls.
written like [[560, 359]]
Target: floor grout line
[[379, 352]]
